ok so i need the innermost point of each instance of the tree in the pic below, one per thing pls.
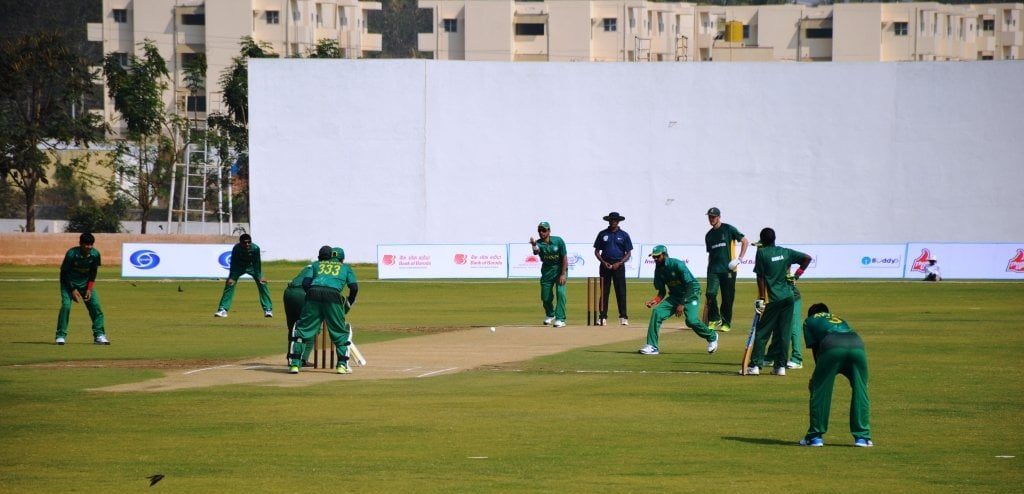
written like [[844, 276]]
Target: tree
[[144, 159], [326, 48], [42, 79]]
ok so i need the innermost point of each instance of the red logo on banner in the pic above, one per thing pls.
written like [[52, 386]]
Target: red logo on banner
[[532, 259], [921, 261], [388, 260], [1016, 265], [460, 258]]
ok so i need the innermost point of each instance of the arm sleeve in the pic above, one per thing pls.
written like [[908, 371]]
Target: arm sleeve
[[92, 272], [353, 290], [64, 267], [257, 264]]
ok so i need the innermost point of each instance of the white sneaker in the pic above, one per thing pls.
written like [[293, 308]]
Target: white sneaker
[[101, 340], [547, 320], [713, 346], [220, 313], [779, 371], [559, 324], [266, 314], [753, 370], [623, 321], [602, 322], [648, 350], [59, 341], [794, 365]]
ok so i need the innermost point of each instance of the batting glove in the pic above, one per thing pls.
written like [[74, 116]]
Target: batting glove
[[759, 306], [733, 263]]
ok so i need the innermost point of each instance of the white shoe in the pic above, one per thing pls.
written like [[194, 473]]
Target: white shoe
[[648, 350], [101, 340], [547, 320], [221, 313], [266, 314], [623, 321], [713, 346], [559, 324], [753, 370], [779, 371], [59, 341], [794, 365], [602, 322]]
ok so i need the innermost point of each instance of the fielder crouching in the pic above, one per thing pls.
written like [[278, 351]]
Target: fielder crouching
[[324, 304]]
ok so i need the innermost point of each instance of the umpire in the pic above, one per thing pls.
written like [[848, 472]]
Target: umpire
[[613, 248], [837, 350]]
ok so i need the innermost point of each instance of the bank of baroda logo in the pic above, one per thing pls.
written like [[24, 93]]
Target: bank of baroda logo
[[1016, 264]]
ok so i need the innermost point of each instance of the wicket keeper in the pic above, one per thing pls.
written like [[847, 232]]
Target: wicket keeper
[[554, 270], [837, 349], [245, 259], [673, 276], [771, 264], [324, 304], [77, 280], [720, 242], [295, 296]]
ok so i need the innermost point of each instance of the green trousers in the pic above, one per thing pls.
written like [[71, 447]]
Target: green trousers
[[667, 307], [92, 305], [314, 314], [727, 282], [775, 326], [552, 295], [796, 336], [294, 298], [852, 363], [229, 294]]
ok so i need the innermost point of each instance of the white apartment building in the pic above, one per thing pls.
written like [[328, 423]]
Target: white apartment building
[[182, 28], [641, 30]]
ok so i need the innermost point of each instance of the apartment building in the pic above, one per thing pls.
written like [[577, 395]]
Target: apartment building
[[641, 30], [182, 28]]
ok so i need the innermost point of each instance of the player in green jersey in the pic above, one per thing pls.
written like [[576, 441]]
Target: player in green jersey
[[324, 303], [672, 276], [771, 264], [720, 242], [77, 280], [553, 272], [837, 349], [295, 296], [245, 259]]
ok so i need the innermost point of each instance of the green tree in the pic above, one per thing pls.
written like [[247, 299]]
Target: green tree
[[42, 81], [326, 48], [144, 158]]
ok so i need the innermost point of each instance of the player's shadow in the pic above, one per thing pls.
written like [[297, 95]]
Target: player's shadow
[[760, 440]]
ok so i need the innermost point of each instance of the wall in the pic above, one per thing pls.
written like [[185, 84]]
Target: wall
[[416, 151], [49, 248]]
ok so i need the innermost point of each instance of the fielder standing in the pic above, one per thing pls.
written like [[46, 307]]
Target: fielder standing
[[77, 280], [771, 264], [720, 242], [554, 270], [245, 259], [613, 248], [837, 349], [672, 276], [324, 304]]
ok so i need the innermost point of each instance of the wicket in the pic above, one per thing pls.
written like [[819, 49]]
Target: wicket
[[322, 345], [595, 297]]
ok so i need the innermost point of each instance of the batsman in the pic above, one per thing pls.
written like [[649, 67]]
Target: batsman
[[324, 303]]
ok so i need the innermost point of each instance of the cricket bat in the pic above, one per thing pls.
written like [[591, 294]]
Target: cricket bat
[[353, 349], [750, 344]]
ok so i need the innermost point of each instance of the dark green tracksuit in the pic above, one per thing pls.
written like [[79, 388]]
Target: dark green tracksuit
[[683, 289], [553, 257], [837, 350], [245, 261], [772, 264], [720, 244], [294, 299], [76, 272], [324, 304]]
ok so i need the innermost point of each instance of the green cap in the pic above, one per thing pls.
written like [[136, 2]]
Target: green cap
[[714, 212], [543, 225], [338, 253], [659, 250]]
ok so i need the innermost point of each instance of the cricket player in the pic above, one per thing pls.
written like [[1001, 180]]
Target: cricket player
[[837, 350], [554, 270], [720, 242], [613, 248], [672, 276], [771, 264], [245, 259], [324, 304], [295, 295], [77, 280]]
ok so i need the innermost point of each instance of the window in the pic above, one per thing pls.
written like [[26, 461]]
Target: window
[[193, 19], [819, 33], [451, 25], [986, 57], [529, 29], [120, 16], [988, 25], [122, 58], [195, 103], [746, 32], [273, 17], [900, 28], [610, 24]]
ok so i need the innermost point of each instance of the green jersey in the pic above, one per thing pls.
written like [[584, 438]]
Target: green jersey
[[721, 244], [772, 263], [674, 277], [552, 254], [246, 261], [332, 274], [78, 269], [307, 272], [831, 330]]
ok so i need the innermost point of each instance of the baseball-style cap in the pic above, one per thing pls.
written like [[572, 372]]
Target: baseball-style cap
[[544, 225], [338, 253], [658, 250], [714, 212]]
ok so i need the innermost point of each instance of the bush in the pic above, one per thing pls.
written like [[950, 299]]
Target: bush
[[94, 218]]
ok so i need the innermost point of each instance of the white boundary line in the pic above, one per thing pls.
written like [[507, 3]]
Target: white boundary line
[[437, 372], [208, 368]]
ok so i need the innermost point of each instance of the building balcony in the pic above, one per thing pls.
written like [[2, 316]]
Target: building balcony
[[426, 41], [1010, 38], [985, 43], [372, 42]]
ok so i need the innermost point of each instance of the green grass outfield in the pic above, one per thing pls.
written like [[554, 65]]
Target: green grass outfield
[[946, 390]]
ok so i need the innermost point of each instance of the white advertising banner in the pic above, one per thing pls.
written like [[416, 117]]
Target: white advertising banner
[[582, 262], [850, 260], [967, 261], [695, 257], [175, 260], [442, 261]]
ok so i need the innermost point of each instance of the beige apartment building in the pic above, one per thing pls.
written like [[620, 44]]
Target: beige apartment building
[[182, 28], [641, 30]]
